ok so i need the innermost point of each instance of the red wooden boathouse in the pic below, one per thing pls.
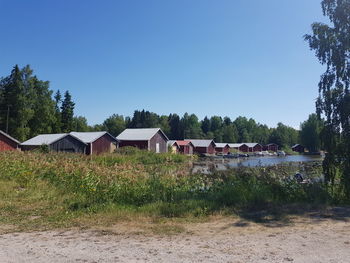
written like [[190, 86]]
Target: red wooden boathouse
[[186, 147], [152, 139], [7, 143], [222, 148], [203, 146]]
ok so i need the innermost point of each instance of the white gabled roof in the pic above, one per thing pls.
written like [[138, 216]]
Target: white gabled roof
[[85, 137], [142, 134], [200, 143], [89, 137], [8, 136], [220, 145], [44, 139], [235, 145], [251, 145]]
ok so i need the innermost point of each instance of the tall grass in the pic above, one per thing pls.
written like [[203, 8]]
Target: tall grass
[[154, 184]]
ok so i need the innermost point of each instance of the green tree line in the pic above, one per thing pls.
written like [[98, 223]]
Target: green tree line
[[28, 107], [189, 126]]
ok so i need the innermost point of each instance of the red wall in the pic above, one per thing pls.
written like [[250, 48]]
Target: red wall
[[257, 148], [157, 138], [6, 144], [272, 147], [224, 150], [244, 148], [210, 149], [143, 145], [102, 144], [299, 149], [186, 149], [200, 149]]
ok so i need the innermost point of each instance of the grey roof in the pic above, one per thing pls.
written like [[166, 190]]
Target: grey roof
[[235, 145], [296, 145], [8, 136], [251, 145], [220, 145], [142, 134], [44, 139], [200, 143], [85, 137], [89, 137]]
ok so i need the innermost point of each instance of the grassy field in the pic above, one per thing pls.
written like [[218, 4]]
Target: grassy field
[[44, 191]]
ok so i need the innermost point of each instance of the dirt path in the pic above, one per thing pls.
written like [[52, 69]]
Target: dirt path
[[309, 240]]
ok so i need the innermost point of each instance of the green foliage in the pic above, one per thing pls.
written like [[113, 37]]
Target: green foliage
[[67, 113], [221, 130], [32, 110], [18, 90], [115, 124], [310, 133], [44, 148], [158, 183], [174, 123], [229, 133], [332, 47], [80, 124], [284, 136], [205, 125], [41, 191], [58, 99], [191, 127]]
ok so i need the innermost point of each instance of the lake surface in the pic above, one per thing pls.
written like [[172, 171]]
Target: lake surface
[[222, 164], [272, 160]]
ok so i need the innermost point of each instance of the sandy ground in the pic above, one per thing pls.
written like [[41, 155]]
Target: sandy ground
[[315, 238]]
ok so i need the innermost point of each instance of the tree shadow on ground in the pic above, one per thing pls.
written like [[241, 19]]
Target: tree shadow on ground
[[288, 215]]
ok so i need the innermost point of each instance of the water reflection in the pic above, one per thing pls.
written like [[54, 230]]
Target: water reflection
[[207, 165]]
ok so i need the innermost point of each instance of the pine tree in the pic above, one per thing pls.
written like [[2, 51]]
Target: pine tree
[[58, 118], [43, 119], [15, 97], [205, 125], [67, 113]]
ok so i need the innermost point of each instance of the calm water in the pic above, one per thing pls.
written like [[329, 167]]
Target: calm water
[[223, 164], [272, 160]]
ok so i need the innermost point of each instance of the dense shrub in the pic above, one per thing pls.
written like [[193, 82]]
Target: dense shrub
[[161, 182]]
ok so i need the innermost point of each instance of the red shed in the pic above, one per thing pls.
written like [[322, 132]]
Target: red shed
[[7, 143], [254, 147], [298, 148], [97, 142], [203, 146], [222, 148], [152, 139], [273, 147], [186, 147], [241, 147]]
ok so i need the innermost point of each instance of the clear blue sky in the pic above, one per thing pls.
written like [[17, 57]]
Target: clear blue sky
[[207, 57]]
